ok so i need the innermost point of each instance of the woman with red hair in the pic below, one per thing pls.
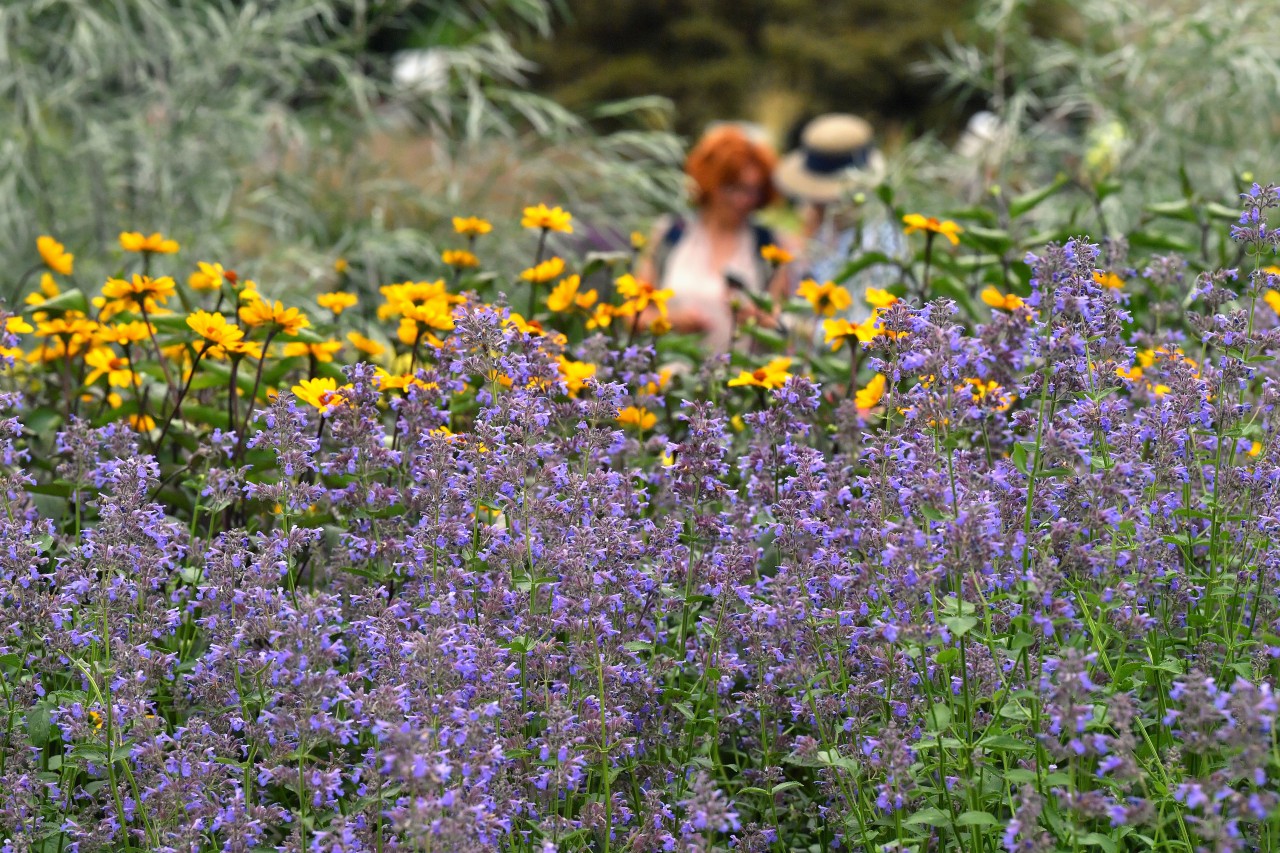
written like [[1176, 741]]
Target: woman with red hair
[[705, 259]]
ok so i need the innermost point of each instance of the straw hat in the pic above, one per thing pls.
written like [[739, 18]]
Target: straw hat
[[837, 155]]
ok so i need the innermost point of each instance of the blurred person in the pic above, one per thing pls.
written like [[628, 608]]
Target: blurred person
[[827, 176], [712, 260]]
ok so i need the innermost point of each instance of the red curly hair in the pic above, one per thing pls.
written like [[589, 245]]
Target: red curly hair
[[719, 158]]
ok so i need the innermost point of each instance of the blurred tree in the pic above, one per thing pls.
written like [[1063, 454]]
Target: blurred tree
[[773, 61]]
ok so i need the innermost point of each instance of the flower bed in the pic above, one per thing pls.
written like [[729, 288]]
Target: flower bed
[[428, 574]]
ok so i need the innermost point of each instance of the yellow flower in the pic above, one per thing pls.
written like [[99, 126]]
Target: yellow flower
[[48, 290], [54, 255], [435, 314], [214, 327], [837, 331], [1159, 390], [1129, 374], [145, 423], [1108, 279], [140, 291], [931, 225], [208, 277], [1003, 301], [879, 298], [1254, 448], [459, 258], [552, 219], [369, 347], [134, 241], [826, 298], [737, 423], [575, 374], [545, 271], [772, 375], [641, 419], [340, 266], [1272, 298], [17, 326], [261, 313], [640, 295], [776, 255], [638, 240], [601, 317], [106, 363], [322, 352], [990, 392], [565, 296], [321, 393], [471, 226], [528, 327], [337, 302], [868, 397]]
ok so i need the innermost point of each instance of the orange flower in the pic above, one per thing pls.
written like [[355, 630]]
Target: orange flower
[[471, 226], [54, 255], [931, 225], [550, 218], [157, 243]]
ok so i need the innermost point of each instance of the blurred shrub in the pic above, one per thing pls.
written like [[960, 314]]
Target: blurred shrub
[[244, 128]]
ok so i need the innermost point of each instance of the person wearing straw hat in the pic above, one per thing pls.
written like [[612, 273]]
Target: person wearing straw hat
[[836, 163]]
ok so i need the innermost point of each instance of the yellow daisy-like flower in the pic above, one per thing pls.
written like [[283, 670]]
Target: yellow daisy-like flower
[[989, 392], [125, 333], [1255, 449], [776, 255], [575, 374], [17, 326], [459, 258], [471, 226], [545, 271], [932, 225], [826, 298], [879, 298], [1003, 301], [601, 317], [54, 255], [337, 302], [1272, 298], [528, 327], [262, 313], [1108, 279], [565, 296], [550, 218], [145, 423], [1129, 374], [340, 266], [322, 352], [869, 396], [106, 363], [638, 240], [640, 294], [207, 277], [214, 327], [773, 375], [369, 347], [321, 393], [837, 331], [637, 418], [139, 291], [156, 243]]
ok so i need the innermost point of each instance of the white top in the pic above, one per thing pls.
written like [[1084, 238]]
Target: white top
[[697, 284]]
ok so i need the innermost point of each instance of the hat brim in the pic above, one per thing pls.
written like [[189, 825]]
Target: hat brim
[[796, 181]]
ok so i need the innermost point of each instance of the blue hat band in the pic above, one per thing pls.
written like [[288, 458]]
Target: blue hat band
[[828, 163]]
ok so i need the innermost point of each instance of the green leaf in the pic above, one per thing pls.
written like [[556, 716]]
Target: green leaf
[[862, 262], [938, 717], [929, 817], [1029, 201], [960, 625], [1097, 839], [975, 818], [68, 300]]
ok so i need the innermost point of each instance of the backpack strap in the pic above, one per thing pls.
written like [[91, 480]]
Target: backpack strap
[[666, 244]]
